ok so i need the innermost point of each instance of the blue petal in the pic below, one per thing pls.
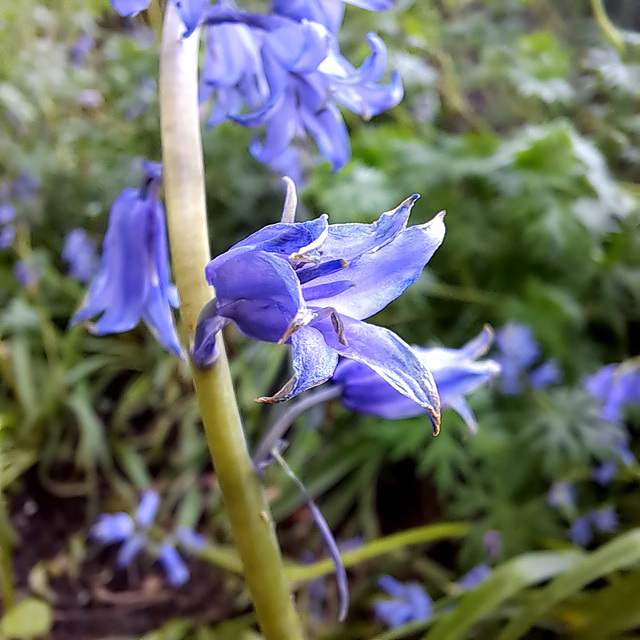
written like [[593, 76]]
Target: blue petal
[[330, 133], [129, 7], [313, 363], [190, 11], [474, 577], [112, 527], [190, 538], [460, 406], [259, 291], [326, 12], [371, 5], [392, 586], [390, 357], [130, 549], [147, 508], [381, 276], [173, 565], [204, 351]]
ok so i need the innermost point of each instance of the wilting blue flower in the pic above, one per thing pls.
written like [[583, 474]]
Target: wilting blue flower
[[492, 542], [604, 473], [456, 372], [615, 386], [27, 273], [310, 284], [327, 12], [474, 577], [604, 520], [80, 49], [79, 252], [562, 494], [133, 282], [7, 228], [288, 73], [409, 603], [190, 10]]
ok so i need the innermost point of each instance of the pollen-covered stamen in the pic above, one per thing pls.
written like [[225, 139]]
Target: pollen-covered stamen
[[291, 201]]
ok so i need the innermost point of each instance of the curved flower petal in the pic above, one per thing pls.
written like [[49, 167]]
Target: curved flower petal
[[313, 363], [147, 508], [130, 549], [129, 7], [259, 291], [204, 351], [173, 565], [112, 527], [390, 357], [335, 65], [460, 406], [381, 276]]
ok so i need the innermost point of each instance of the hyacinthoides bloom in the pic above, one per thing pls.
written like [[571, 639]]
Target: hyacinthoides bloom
[[311, 285]]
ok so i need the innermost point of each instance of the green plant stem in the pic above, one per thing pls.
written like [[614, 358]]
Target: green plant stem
[[252, 527], [6, 544], [609, 29]]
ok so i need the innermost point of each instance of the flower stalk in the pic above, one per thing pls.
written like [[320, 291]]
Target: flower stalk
[[252, 527]]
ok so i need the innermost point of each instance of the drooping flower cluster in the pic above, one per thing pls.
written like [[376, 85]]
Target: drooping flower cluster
[[311, 285], [456, 372], [133, 282], [133, 534], [517, 351]]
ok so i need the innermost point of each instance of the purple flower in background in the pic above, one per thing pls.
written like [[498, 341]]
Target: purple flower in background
[[604, 520], [474, 577], [133, 282], [7, 228], [190, 10], [310, 284], [287, 74], [492, 542], [409, 603], [173, 565], [130, 532], [615, 386], [27, 273], [546, 374], [517, 351], [79, 252], [605, 473], [80, 49], [456, 372], [581, 532], [25, 187], [562, 494]]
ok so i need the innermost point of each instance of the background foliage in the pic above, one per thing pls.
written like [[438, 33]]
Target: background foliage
[[520, 119]]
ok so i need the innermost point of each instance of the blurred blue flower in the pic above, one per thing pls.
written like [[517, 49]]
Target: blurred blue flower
[[27, 273], [133, 282], [327, 12], [604, 473], [604, 520], [79, 50], [492, 542], [581, 532], [133, 536], [456, 372], [79, 252], [143, 98], [7, 228], [615, 386], [546, 374], [474, 577], [409, 603], [517, 351], [288, 73], [25, 187], [311, 284], [190, 10], [562, 494]]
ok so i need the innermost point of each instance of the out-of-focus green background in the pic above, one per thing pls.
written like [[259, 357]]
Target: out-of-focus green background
[[522, 120]]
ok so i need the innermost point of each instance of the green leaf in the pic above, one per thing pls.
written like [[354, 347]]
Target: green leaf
[[620, 552], [507, 580], [30, 618]]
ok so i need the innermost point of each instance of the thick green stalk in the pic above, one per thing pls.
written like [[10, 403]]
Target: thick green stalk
[[251, 524]]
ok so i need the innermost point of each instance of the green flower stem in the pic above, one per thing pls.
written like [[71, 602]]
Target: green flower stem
[[252, 527], [610, 30]]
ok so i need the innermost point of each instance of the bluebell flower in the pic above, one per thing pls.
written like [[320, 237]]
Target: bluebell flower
[[133, 282], [562, 494], [409, 603], [615, 386], [492, 542], [190, 10], [80, 49], [7, 228], [517, 351], [604, 473], [25, 187], [288, 74], [456, 372], [546, 374], [473, 577], [131, 533], [79, 253], [605, 520], [310, 284], [327, 12], [581, 531], [27, 273]]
